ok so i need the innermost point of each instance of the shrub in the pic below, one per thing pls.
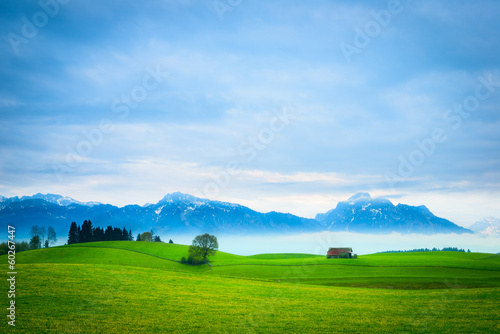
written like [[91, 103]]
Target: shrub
[[192, 260]]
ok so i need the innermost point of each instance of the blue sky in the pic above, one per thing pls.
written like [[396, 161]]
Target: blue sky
[[255, 102]]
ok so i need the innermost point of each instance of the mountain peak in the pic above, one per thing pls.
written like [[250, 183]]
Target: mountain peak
[[362, 213], [360, 197], [180, 197], [487, 227], [56, 199]]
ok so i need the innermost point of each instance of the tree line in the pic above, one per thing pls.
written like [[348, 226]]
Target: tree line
[[87, 233], [40, 237], [445, 249]]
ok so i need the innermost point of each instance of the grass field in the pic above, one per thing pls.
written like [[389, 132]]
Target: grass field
[[138, 287]]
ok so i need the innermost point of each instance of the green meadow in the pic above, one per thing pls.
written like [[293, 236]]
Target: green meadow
[[140, 287]]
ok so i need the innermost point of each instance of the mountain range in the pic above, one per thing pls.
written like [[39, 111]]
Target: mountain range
[[179, 213], [176, 213], [364, 214]]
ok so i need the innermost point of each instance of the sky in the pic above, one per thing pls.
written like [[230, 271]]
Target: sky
[[289, 106]]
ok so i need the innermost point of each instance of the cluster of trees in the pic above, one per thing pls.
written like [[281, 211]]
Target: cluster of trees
[[88, 233], [38, 234], [148, 236], [446, 249], [202, 247], [40, 237], [20, 247], [151, 237]]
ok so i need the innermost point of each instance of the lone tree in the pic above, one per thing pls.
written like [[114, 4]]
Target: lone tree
[[203, 246]]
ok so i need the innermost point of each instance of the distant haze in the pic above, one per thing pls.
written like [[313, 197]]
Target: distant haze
[[318, 243]]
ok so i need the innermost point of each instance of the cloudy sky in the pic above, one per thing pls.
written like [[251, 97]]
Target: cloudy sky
[[278, 105]]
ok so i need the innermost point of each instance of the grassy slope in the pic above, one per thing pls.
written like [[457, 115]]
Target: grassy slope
[[403, 271], [105, 286], [438, 259], [69, 298]]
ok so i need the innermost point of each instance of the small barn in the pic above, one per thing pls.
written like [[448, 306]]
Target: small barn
[[335, 253]]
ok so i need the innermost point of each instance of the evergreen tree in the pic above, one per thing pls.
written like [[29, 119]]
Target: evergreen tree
[[98, 234], [73, 234], [86, 232], [108, 234], [117, 233], [124, 234], [130, 236], [138, 237]]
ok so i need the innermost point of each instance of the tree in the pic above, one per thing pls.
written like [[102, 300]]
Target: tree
[[203, 246], [86, 234], [35, 242], [130, 235], [51, 236], [170, 241], [108, 234], [73, 234], [138, 237], [98, 233], [117, 234], [124, 234], [146, 236], [157, 238]]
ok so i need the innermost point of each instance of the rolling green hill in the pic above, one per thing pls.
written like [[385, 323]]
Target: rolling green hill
[[139, 287], [403, 271]]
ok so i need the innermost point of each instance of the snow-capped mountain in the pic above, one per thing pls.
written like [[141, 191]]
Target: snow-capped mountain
[[179, 213], [487, 227], [362, 213], [51, 198], [176, 213]]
